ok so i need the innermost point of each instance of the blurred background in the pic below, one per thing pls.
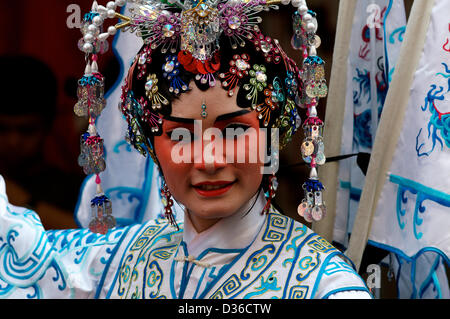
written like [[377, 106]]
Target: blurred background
[[39, 133]]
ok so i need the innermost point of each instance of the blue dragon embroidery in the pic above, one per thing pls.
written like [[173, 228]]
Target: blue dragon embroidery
[[438, 127]]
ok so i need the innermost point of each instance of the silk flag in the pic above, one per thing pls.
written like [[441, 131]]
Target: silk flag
[[376, 38], [405, 203]]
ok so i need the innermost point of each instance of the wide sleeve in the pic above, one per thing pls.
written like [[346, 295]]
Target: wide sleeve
[[338, 280], [35, 263]]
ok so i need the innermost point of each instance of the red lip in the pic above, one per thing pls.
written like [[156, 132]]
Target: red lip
[[224, 187]]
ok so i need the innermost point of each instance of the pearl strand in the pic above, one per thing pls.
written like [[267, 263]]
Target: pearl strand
[[93, 31]]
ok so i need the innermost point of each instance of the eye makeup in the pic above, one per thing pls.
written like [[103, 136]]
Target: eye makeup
[[239, 122]]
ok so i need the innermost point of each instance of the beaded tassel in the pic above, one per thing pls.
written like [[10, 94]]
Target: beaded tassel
[[90, 104], [167, 201], [312, 207], [273, 185], [102, 219]]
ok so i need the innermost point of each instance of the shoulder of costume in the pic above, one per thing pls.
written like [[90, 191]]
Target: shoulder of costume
[[320, 267], [154, 232], [317, 268]]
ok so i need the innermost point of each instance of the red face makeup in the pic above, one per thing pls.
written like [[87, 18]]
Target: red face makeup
[[214, 184]]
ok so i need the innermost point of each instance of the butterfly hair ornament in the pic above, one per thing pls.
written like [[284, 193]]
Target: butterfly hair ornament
[[204, 42]]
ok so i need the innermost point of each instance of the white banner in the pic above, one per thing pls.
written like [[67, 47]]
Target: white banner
[[412, 216], [377, 34]]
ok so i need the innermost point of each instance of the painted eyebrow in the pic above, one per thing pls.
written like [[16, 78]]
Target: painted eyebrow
[[179, 119], [222, 117], [226, 116]]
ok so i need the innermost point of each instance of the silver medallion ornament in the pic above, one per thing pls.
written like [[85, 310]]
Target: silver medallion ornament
[[312, 208], [102, 219]]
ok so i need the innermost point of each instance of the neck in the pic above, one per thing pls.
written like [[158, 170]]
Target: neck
[[232, 232], [202, 224]]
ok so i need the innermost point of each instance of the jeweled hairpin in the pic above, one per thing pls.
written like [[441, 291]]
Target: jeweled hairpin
[[151, 118], [257, 83], [152, 92], [239, 67], [239, 20], [200, 28], [288, 121], [144, 59], [264, 109], [135, 111], [171, 71], [156, 26], [274, 98], [278, 95], [267, 46]]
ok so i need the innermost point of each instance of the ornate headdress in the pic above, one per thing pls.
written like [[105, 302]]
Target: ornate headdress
[[204, 41]]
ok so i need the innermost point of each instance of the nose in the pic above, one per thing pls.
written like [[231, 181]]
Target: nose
[[209, 155]]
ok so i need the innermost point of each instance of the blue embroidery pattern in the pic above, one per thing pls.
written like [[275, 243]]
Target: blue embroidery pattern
[[228, 287], [25, 264], [439, 123], [423, 193], [144, 250], [298, 292], [362, 134], [411, 262], [254, 273], [270, 283]]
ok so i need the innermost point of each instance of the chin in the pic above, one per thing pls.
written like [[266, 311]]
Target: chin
[[215, 208]]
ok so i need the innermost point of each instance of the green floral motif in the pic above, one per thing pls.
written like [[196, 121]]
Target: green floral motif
[[287, 122], [257, 83]]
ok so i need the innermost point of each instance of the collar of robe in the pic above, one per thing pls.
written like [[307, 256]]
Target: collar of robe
[[231, 233]]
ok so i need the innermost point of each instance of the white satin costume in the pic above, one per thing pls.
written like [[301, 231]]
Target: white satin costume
[[247, 255]]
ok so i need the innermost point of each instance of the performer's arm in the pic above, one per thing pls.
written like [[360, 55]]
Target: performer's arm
[[35, 263]]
